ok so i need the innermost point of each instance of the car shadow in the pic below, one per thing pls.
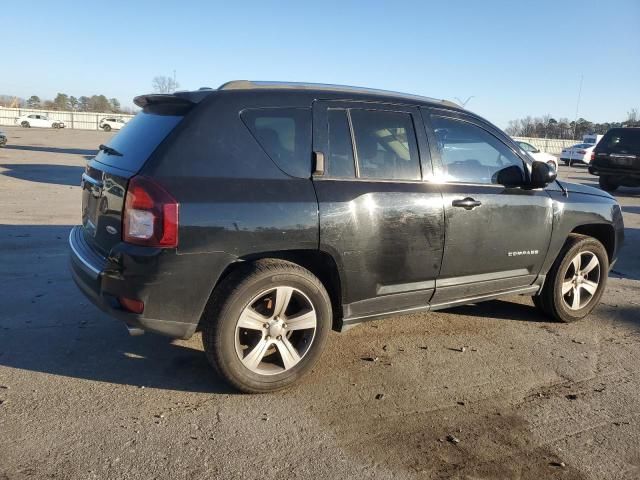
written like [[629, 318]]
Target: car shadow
[[44, 173], [69, 151], [501, 309], [49, 326]]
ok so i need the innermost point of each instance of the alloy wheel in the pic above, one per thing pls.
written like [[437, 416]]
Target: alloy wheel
[[581, 280], [275, 330]]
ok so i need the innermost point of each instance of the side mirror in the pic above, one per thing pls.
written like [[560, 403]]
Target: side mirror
[[542, 175], [511, 176], [536, 151]]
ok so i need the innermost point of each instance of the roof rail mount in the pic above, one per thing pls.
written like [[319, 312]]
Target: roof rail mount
[[257, 85]]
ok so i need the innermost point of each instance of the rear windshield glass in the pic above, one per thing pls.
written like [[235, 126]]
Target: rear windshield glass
[[624, 140], [137, 140], [285, 134]]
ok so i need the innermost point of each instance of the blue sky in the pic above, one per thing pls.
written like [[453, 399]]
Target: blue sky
[[517, 58]]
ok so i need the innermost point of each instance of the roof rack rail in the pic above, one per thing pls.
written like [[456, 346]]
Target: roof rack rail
[[254, 85]]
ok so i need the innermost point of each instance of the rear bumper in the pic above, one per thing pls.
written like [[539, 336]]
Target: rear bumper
[[171, 286]]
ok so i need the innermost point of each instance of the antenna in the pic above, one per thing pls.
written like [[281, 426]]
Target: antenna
[[464, 104]]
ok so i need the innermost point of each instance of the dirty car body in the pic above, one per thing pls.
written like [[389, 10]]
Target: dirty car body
[[390, 200]]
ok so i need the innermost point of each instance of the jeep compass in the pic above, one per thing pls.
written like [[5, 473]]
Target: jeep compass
[[265, 214]]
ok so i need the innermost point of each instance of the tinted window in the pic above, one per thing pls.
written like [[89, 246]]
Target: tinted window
[[285, 134], [137, 142], [623, 140], [469, 153], [340, 159], [386, 145]]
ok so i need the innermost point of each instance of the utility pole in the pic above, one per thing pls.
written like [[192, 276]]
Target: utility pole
[[575, 122], [464, 104], [174, 79]]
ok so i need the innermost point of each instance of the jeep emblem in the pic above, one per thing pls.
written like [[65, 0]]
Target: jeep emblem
[[111, 230]]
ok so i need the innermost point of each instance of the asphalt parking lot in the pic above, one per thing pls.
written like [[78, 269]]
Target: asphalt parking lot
[[81, 399]]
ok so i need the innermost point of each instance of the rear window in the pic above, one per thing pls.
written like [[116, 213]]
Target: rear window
[[285, 134], [137, 140], [623, 140]]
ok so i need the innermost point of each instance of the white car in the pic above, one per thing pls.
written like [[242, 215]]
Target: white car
[[538, 155], [42, 121], [112, 123], [582, 152]]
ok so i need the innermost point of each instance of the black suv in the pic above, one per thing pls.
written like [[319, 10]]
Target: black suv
[[616, 159], [266, 214]]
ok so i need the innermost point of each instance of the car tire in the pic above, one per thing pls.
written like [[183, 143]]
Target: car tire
[[276, 294], [106, 128], [576, 281], [606, 184], [25, 125]]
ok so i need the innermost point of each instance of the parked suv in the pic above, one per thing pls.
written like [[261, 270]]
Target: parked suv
[[265, 214], [616, 159], [112, 123]]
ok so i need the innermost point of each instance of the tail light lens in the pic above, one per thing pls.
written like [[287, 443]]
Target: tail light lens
[[593, 156], [150, 215]]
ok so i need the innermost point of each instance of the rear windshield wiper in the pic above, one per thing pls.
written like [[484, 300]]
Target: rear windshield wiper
[[109, 150]]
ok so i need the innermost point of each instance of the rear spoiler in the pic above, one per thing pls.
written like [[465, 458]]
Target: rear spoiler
[[170, 103]]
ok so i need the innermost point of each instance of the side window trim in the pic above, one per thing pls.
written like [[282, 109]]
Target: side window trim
[[354, 149], [423, 141], [428, 113]]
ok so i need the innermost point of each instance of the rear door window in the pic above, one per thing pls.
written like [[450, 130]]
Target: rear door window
[[285, 135], [386, 145], [138, 141]]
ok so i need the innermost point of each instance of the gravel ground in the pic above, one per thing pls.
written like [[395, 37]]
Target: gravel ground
[[80, 399]]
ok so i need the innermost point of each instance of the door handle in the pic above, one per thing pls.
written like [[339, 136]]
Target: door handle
[[467, 203]]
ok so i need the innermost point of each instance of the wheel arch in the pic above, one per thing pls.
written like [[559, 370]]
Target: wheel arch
[[602, 232], [320, 263]]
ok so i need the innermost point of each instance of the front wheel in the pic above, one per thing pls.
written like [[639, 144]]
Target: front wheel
[[606, 184], [576, 281], [106, 128], [266, 325], [25, 125]]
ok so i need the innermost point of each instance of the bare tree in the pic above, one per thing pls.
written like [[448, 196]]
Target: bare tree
[[163, 84]]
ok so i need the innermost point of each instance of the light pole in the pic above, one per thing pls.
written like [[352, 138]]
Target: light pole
[[575, 122]]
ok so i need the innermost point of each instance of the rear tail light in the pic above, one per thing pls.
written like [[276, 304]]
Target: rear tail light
[[593, 156], [150, 215]]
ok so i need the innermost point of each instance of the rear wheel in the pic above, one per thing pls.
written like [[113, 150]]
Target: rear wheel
[[25, 125], [106, 128], [266, 324], [576, 281], [607, 184]]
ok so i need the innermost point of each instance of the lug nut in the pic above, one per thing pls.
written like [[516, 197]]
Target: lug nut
[[266, 325], [279, 337], [268, 337], [284, 326]]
